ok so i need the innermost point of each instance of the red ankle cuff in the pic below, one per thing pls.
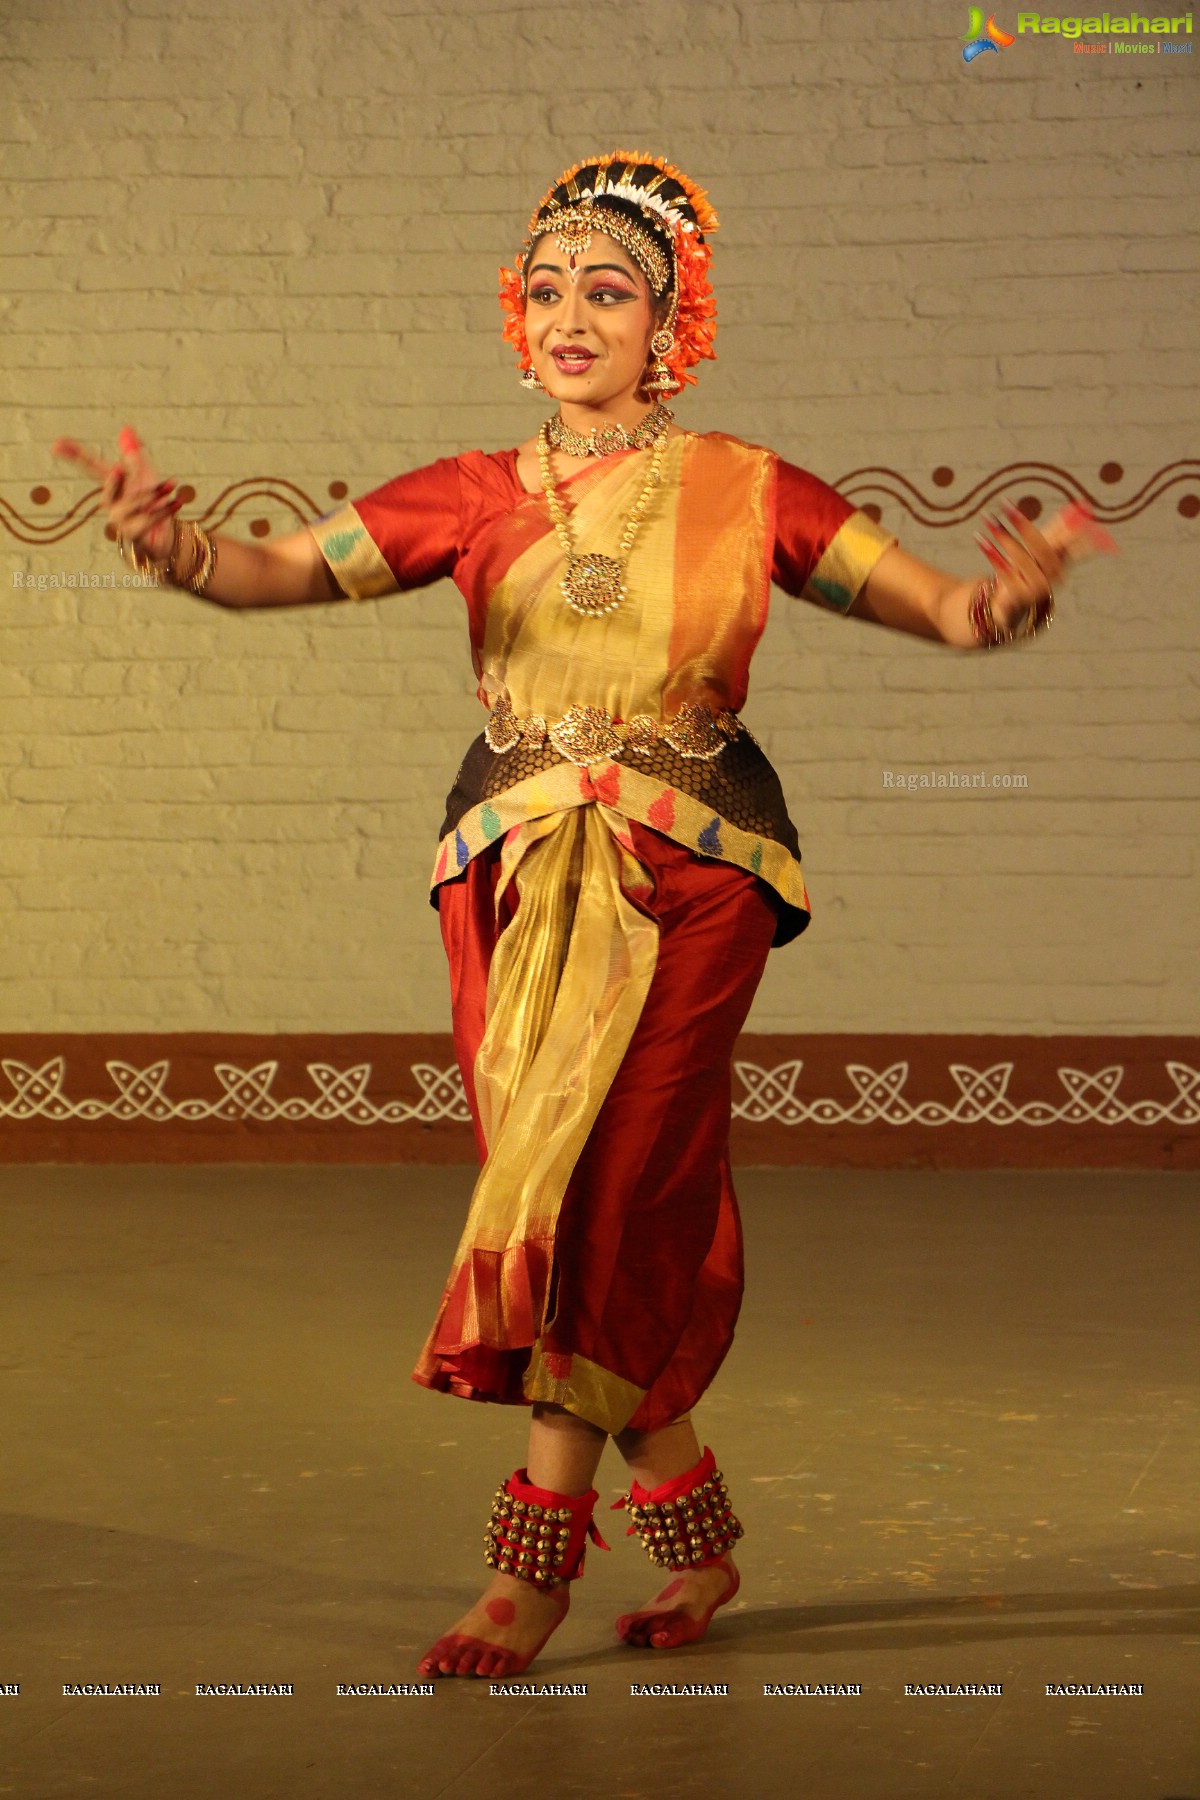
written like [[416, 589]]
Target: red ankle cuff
[[687, 1522], [539, 1535], [679, 1485]]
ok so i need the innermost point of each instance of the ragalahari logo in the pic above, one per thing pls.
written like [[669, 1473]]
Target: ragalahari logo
[[984, 37]]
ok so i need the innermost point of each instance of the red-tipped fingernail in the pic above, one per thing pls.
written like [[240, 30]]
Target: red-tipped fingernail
[[1101, 538], [1080, 519], [128, 439]]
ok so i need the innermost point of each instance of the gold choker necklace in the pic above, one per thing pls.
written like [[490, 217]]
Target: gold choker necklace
[[604, 440], [595, 584]]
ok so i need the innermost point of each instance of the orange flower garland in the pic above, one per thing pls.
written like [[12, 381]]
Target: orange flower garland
[[695, 319]]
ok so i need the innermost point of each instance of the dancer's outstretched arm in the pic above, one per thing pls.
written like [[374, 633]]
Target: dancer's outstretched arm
[[289, 571], [910, 595]]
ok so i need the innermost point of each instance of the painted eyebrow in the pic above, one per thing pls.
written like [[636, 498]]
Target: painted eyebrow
[[589, 269]]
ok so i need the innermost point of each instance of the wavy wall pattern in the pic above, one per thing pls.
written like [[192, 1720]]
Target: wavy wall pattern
[[1033, 486]]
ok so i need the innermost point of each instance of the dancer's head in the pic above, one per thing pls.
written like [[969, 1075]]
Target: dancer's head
[[614, 264]]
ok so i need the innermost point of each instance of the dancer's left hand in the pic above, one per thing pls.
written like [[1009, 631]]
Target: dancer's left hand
[[1029, 562]]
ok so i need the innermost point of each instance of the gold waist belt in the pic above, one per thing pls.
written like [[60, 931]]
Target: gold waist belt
[[588, 734]]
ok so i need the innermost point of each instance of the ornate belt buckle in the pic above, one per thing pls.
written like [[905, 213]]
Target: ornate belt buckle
[[694, 732], [584, 734], [588, 734], [640, 734], [502, 730]]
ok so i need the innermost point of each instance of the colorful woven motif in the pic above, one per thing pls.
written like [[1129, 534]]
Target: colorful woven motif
[[634, 795]]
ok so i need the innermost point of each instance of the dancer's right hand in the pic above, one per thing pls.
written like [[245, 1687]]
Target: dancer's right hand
[[139, 506]]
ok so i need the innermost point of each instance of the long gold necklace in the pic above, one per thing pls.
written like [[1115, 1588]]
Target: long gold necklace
[[595, 584]]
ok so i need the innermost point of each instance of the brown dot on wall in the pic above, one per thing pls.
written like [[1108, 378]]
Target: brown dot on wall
[[260, 527], [185, 493], [1111, 472], [1030, 505], [1189, 506], [942, 476], [872, 511], [110, 534], [39, 495], [338, 490]]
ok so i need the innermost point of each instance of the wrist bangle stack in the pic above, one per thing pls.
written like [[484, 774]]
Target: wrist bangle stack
[[191, 545], [199, 561], [988, 635], [153, 569]]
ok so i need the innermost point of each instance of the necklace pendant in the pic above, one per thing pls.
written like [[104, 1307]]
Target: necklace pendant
[[594, 584], [605, 439]]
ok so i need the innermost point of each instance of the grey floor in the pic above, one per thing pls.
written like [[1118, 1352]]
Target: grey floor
[[959, 1423]]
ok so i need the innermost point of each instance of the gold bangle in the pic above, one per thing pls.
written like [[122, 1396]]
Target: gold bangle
[[148, 566], [181, 576], [199, 557], [991, 636], [1039, 616], [979, 611], [200, 574]]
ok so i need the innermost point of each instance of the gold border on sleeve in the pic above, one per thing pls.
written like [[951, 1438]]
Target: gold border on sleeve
[[358, 564], [847, 560]]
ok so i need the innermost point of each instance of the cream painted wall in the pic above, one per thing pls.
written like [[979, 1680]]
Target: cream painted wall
[[268, 235]]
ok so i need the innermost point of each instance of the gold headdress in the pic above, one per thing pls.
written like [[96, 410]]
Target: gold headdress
[[657, 215]]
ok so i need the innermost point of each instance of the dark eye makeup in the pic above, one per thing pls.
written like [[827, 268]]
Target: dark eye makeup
[[545, 295]]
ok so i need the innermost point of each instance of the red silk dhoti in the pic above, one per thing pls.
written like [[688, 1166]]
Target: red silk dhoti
[[636, 1309]]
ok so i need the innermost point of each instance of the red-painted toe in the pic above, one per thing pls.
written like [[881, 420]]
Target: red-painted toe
[[667, 1630]]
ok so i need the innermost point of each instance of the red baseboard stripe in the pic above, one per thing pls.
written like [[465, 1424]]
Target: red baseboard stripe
[[836, 1100]]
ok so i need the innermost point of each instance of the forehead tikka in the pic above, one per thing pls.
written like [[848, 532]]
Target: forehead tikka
[[572, 228]]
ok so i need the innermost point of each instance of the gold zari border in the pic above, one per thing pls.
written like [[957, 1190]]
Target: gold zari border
[[847, 561], [590, 1392], [359, 566]]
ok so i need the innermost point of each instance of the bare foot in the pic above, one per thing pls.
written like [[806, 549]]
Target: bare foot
[[502, 1633], [679, 1613]]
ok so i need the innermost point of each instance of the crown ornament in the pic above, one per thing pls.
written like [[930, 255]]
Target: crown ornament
[[667, 241]]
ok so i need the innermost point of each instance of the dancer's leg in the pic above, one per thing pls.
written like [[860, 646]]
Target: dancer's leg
[[512, 1619], [680, 1611], [653, 1457]]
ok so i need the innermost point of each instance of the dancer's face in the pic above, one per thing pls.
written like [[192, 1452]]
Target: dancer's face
[[589, 320]]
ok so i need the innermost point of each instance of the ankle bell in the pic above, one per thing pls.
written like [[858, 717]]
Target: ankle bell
[[538, 1535], [685, 1523]]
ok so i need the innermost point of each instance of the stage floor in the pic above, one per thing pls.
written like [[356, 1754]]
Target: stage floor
[[959, 1423]]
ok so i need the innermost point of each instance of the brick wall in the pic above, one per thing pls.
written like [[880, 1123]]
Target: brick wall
[[267, 236]]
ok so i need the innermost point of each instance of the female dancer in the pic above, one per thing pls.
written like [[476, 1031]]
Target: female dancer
[[615, 863]]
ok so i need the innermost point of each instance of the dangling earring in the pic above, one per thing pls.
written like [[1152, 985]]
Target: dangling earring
[[531, 382], [660, 379]]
